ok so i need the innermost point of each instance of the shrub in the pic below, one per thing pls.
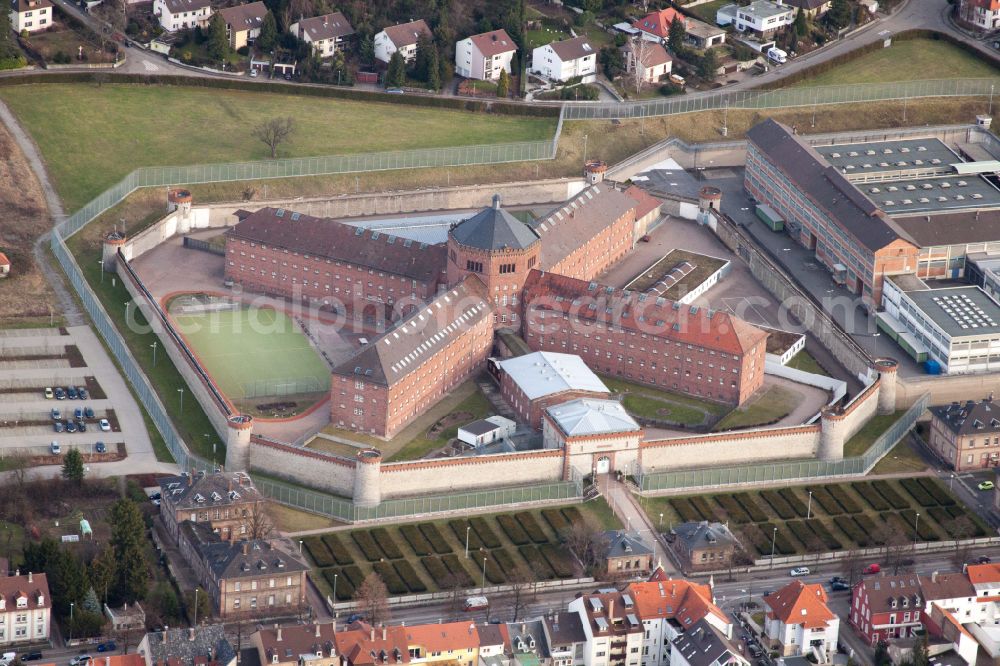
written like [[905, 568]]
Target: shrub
[[752, 506], [849, 526], [367, 544], [556, 520], [825, 535], [802, 533], [505, 560], [558, 559], [318, 552], [733, 509], [435, 538], [925, 530], [844, 499], [825, 500], [485, 532], [461, 528], [513, 529], [416, 540], [778, 503], [872, 496], [536, 562], [435, 568], [388, 544], [885, 489], [456, 569], [354, 574], [782, 545], [531, 527], [936, 490], [906, 526], [795, 500], [345, 590], [685, 510], [917, 492], [701, 505], [572, 514], [393, 582], [338, 549], [409, 575], [494, 573]]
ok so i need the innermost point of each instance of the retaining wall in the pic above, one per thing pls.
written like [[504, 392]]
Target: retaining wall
[[726, 448]]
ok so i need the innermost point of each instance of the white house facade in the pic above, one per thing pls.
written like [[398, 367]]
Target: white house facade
[[565, 60], [177, 15], [797, 620], [402, 38], [326, 34], [484, 56], [25, 609], [30, 15]]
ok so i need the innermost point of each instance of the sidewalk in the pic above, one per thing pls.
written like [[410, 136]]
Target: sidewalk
[[626, 507]]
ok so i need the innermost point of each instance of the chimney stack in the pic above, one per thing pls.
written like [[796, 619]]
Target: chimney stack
[[278, 629], [317, 630], [496, 202], [373, 634], [611, 609], [30, 578], [934, 576], [191, 634], [384, 631]]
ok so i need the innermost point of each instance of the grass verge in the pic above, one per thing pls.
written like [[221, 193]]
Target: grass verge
[[770, 405], [864, 438], [806, 362]]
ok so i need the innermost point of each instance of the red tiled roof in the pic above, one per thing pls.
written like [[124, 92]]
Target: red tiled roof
[[983, 573], [4, 261], [493, 43], [645, 202], [360, 641], [406, 34], [30, 586], [681, 600], [661, 317], [443, 637], [798, 603], [658, 23]]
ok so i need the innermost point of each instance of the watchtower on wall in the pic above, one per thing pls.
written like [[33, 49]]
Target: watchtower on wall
[[709, 199], [238, 443], [500, 250]]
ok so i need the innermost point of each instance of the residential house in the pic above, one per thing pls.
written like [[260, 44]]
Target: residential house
[[983, 14], [797, 619], [361, 644], [177, 15], [762, 18], [669, 607], [614, 634], [31, 16], [243, 23], [814, 9], [484, 56], [657, 24], [652, 61], [4, 272], [452, 644], [205, 645], [703, 545], [294, 645], [886, 607], [494, 645], [528, 645], [565, 638], [126, 618], [703, 35], [628, 553], [25, 609], [565, 60], [226, 501], [966, 435], [327, 33], [704, 645], [402, 38], [245, 577]]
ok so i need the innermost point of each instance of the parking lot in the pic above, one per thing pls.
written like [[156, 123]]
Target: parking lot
[[26, 418]]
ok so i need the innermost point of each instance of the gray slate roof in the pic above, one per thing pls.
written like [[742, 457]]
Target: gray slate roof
[[565, 629], [177, 645], [822, 184], [623, 544], [970, 418], [704, 533], [493, 228], [240, 559], [703, 645], [214, 490], [328, 26]]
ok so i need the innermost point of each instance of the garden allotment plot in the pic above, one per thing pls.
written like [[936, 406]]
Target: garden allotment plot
[[251, 353]]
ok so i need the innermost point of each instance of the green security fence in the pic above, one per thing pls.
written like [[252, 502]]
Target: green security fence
[[788, 470]]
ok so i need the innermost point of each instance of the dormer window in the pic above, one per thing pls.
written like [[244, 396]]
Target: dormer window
[[41, 599], [274, 658], [22, 602]]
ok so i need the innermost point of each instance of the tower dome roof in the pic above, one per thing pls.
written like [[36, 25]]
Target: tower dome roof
[[494, 228]]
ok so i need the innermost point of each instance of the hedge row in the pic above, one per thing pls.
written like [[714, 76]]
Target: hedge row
[[345, 590], [505, 560], [762, 540], [701, 505], [558, 559], [387, 543], [795, 501], [854, 532], [954, 512], [556, 520], [733, 509], [462, 531], [868, 526], [409, 576], [338, 550], [778, 503], [531, 527], [917, 492], [905, 526], [825, 535], [456, 569], [416, 540], [537, 564], [821, 496], [367, 544], [872, 496], [844, 499], [318, 552], [686, 510], [494, 572], [572, 514], [485, 532], [393, 582], [513, 529], [936, 490], [752, 507], [435, 568], [895, 500], [814, 535], [435, 538], [925, 530]]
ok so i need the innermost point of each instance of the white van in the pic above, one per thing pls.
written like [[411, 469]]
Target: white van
[[774, 54]]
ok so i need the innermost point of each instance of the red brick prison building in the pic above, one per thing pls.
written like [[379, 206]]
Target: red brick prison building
[[398, 377], [335, 265], [646, 339], [532, 382]]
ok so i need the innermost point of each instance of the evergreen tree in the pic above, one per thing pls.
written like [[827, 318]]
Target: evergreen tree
[[708, 65], [675, 38], [366, 50], [127, 536], [503, 84], [921, 655], [102, 573], [41, 556], [90, 602], [268, 37], [218, 44], [422, 60], [6, 41], [801, 24], [433, 71], [839, 15], [72, 469], [395, 76], [71, 582]]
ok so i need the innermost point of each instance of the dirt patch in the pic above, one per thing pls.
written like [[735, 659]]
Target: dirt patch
[[25, 296], [448, 421]]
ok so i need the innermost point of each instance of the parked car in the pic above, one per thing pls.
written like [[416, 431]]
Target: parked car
[[755, 651], [872, 569], [799, 571], [78, 413], [57, 426], [55, 449], [71, 393], [645, 239], [985, 485], [60, 393], [49, 393], [104, 425], [394, 91], [7, 658], [81, 425], [31, 656], [56, 414], [354, 617], [839, 586], [156, 496], [82, 392], [253, 73], [100, 447], [983, 559], [82, 660], [89, 412], [70, 426], [107, 647]]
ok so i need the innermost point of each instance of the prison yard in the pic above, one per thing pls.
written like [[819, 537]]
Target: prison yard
[[840, 516], [428, 557]]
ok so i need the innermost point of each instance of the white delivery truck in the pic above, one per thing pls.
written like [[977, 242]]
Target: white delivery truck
[[476, 603], [774, 54]]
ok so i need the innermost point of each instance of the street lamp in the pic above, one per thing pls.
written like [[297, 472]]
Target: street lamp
[[154, 351], [774, 537], [467, 528], [127, 303], [334, 588], [71, 604], [483, 587], [661, 522], [916, 535], [300, 547], [195, 623], [809, 508], [101, 262], [181, 391], [951, 482]]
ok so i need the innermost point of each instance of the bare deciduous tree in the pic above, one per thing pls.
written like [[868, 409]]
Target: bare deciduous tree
[[590, 546], [638, 50], [255, 523], [521, 593], [373, 599], [851, 565], [274, 132], [961, 530], [898, 548]]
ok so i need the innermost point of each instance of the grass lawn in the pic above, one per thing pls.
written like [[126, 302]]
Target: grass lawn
[[908, 60], [769, 405], [903, 457], [476, 405], [130, 126], [288, 519], [641, 405], [706, 12], [543, 36], [805, 362], [284, 363], [864, 438], [654, 403]]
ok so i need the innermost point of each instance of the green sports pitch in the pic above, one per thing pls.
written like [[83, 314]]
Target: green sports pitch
[[254, 352]]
